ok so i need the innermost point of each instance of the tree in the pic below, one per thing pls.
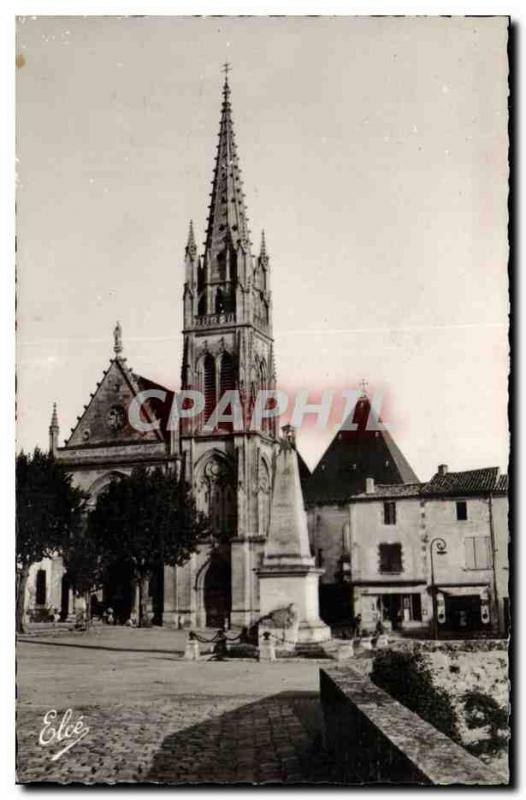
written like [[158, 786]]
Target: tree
[[147, 519], [49, 509], [83, 565], [408, 678]]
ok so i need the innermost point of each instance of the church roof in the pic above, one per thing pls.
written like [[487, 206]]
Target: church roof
[[99, 424], [354, 455]]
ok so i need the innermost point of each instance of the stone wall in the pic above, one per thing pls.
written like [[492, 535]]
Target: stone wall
[[375, 739]]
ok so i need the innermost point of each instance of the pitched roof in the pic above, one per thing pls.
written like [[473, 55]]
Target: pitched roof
[[354, 455], [304, 471], [502, 484], [118, 387], [472, 481]]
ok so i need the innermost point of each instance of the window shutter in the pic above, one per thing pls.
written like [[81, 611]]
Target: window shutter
[[469, 552], [482, 552]]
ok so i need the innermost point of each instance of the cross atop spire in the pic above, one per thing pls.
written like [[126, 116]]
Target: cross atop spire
[[226, 85], [364, 384]]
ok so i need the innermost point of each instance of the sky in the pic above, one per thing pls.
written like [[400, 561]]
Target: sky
[[374, 156]]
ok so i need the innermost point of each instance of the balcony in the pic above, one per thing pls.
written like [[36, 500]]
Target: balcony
[[211, 320]]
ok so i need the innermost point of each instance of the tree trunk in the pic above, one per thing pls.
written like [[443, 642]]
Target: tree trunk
[[22, 576], [87, 600], [144, 582]]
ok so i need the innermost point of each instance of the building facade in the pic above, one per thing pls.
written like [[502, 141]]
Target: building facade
[[422, 557]]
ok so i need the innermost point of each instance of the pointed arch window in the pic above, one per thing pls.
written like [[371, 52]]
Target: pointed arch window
[[220, 302], [217, 498], [209, 385], [227, 382], [263, 384], [201, 305], [200, 277], [221, 265]]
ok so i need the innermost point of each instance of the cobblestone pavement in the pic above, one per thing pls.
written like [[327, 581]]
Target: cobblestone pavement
[[154, 717]]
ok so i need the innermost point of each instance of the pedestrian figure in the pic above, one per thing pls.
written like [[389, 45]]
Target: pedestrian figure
[[357, 624]]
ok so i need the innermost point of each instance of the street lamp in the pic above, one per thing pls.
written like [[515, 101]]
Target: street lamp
[[441, 550]]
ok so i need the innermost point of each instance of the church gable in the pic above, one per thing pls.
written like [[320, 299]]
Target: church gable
[[105, 419]]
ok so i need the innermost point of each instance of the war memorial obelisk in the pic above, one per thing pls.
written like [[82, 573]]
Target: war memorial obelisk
[[288, 577]]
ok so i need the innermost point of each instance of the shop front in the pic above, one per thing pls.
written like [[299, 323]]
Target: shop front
[[465, 609], [396, 608]]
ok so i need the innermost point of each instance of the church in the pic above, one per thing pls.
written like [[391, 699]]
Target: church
[[228, 345]]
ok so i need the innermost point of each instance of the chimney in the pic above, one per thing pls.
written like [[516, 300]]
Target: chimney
[[369, 486], [442, 469]]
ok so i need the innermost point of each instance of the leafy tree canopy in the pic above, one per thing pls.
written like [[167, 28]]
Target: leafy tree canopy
[[48, 507], [147, 518]]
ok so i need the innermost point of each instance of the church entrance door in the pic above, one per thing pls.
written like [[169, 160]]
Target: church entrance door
[[217, 590]]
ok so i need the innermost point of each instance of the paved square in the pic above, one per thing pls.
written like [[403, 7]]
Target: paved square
[[154, 717]]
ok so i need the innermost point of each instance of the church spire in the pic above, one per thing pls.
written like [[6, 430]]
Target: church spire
[[191, 247], [263, 255], [53, 430], [227, 219]]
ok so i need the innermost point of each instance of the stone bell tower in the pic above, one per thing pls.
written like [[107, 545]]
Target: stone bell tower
[[228, 345]]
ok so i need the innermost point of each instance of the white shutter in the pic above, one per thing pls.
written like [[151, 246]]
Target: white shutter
[[482, 552], [469, 552]]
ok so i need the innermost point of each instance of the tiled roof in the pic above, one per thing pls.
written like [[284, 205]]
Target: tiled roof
[[473, 481], [477, 482], [393, 490], [502, 484], [353, 456]]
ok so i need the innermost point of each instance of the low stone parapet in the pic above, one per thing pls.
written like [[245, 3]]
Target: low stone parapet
[[375, 739]]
